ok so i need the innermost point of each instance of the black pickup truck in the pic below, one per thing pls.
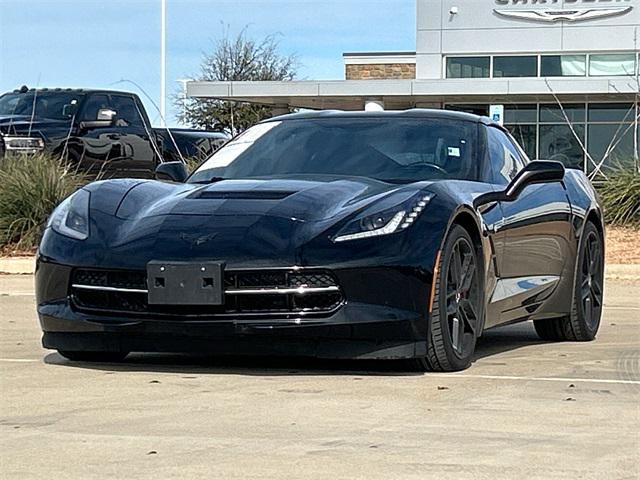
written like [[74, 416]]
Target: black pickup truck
[[103, 132]]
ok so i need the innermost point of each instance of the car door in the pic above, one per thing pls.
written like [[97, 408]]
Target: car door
[[97, 147], [536, 228]]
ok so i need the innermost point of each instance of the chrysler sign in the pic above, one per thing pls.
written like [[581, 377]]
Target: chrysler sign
[[555, 10]]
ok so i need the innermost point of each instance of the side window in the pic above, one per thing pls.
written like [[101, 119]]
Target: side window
[[93, 104], [127, 114], [505, 160]]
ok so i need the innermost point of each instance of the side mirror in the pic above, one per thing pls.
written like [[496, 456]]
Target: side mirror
[[105, 118], [172, 171], [538, 171], [69, 109], [106, 114]]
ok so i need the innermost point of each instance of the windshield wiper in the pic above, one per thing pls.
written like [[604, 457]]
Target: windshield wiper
[[211, 180]]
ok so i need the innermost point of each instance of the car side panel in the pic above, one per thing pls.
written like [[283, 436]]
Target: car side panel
[[584, 203], [537, 246]]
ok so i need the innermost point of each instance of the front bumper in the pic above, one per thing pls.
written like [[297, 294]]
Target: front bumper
[[384, 316]]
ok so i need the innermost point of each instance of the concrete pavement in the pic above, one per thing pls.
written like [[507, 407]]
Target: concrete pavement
[[525, 409]]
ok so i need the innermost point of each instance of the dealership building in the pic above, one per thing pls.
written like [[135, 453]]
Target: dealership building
[[562, 75]]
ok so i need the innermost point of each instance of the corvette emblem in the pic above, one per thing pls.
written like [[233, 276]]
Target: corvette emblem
[[197, 240], [576, 15]]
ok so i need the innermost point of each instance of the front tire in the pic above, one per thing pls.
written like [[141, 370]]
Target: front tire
[[583, 322], [457, 306], [77, 356]]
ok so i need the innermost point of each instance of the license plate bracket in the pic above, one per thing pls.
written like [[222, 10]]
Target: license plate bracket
[[185, 283]]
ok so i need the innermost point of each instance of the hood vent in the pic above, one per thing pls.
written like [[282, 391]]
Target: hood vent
[[244, 195]]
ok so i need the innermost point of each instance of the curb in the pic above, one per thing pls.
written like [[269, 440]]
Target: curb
[[17, 265]]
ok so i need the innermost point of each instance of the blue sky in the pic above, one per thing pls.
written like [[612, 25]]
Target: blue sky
[[97, 43]]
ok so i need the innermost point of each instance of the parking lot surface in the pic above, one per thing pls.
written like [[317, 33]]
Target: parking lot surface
[[525, 409]]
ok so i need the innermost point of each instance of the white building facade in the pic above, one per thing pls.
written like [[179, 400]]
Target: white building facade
[[566, 73]]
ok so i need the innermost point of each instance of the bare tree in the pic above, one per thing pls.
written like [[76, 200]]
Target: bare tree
[[238, 58]]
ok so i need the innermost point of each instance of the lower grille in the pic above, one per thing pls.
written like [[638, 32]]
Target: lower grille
[[258, 292]]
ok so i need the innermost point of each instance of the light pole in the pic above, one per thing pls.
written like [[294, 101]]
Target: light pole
[[163, 53]]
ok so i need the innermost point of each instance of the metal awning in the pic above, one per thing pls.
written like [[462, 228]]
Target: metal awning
[[400, 94]]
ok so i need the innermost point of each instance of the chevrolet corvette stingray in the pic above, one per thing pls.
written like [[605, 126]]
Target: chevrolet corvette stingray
[[377, 235]]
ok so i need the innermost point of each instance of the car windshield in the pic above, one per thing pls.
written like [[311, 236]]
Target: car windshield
[[398, 150], [54, 105]]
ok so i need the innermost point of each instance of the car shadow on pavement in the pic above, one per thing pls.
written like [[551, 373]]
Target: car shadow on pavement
[[493, 342], [506, 338]]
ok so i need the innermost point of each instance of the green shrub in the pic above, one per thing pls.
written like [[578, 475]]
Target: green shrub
[[30, 188], [193, 163], [620, 195]]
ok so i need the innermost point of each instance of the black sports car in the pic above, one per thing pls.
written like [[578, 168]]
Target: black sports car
[[379, 235]]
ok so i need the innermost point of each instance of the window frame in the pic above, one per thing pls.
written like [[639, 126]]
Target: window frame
[[539, 55]]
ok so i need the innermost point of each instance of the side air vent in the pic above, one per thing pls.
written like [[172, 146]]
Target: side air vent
[[246, 195]]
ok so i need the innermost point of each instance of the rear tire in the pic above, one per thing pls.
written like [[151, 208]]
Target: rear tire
[[93, 356], [457, 306], [586, 307], [550, 330]]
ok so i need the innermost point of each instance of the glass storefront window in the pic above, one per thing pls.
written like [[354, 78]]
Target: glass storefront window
[[612, 64], [611, 112], [563, 65], [601, 136], [521, 113], [542, 131], [557, 142], [515, 66], [468, 67], [551, 113], [525, 135]]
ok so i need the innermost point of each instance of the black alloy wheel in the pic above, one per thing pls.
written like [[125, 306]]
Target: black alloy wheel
[[591, 275], [457, 306]]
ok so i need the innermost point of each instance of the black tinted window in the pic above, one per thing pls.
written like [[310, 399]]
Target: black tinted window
[[515, 66], [389, 149], [94, 103], [43, 104], [127, 114], [504, 158]]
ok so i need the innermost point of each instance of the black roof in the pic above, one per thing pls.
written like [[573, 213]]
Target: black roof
[[411, 113], [77, 90]]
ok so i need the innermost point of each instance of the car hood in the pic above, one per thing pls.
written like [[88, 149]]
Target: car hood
[[21, 124], [238, 220], [297, 200]]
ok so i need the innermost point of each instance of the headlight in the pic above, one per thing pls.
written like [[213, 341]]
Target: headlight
[[387, 221], [29, 144], [71, 218]]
